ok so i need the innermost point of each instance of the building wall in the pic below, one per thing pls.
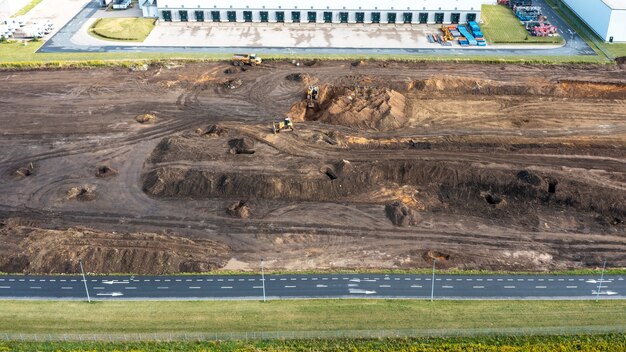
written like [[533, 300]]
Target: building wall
[[594, 12], [617, 27], [399, 7]]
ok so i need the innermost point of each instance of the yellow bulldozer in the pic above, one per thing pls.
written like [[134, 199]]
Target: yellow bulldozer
[[284, 125], [311, 96], [246, 59]]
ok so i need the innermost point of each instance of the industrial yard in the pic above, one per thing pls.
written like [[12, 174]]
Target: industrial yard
[[175, 168]]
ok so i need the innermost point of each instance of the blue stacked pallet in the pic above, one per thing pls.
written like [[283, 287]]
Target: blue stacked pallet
[[468, 36], [478, 34]]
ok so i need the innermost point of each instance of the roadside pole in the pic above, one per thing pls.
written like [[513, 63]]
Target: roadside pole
[[84, 280], [601, 281], [432, 284], [263, 279]]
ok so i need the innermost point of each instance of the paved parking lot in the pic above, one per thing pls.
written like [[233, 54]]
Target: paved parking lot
[[281, 38]]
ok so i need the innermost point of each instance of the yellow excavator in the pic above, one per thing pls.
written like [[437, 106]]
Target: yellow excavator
[[311, 96], [283, 125]]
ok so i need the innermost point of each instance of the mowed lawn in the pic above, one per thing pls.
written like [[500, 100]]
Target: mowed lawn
[[131, 29], [617, 49], [501, 27], [300, 315]]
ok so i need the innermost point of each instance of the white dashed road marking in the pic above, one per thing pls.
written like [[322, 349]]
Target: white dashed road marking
[[162, 288], [540, 287], [130, 288], [571, 286], [447, 286], [384, 285], [226, 287], [5, 286], [194, 287], [290, 286], [66, 288], [478, 286], [509, 286]]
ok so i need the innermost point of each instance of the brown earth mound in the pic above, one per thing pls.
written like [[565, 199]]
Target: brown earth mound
[[35, 250], [85, 193], [105, 171], [26, 171], [368, 107], [565, 88], [145, 118], [401, 215], [458, 188], [239, 210]]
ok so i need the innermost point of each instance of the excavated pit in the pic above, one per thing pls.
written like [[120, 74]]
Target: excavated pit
[[362, 107]]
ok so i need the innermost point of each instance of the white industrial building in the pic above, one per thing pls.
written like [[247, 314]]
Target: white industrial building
[[322, 11], [606, 17]]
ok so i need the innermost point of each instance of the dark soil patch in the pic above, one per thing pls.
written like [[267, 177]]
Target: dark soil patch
[[529, 177], [401, 215], [241, 146], [233, 83], [105, 171], [294, 77]]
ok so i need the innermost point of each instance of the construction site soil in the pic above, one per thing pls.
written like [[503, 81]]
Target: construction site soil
[[176, 168]]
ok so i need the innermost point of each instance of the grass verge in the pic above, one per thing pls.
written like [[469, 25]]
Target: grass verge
[[501, 26], [14, 55], [57, 317], [24, 10], [610, 342], [122, 29]]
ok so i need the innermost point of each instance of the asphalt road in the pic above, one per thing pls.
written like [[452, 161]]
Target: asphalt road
[[61, 42], [312, 286]]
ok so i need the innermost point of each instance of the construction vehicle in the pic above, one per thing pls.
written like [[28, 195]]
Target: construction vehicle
[[311, 96], [285, 124], [246, 59], [447, 35]]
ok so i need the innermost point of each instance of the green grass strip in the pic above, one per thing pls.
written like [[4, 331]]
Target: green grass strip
[[57, 317], [24, 10], [122, 29], [610, 342]]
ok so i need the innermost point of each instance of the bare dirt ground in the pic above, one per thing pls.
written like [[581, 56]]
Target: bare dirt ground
[[176, 168]]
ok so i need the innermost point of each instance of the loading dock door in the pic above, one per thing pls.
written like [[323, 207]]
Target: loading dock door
[[167, 16], [423, 17], [232, 16], [247, 16], [183, 15], [264, 16], [295, 16], [343, 17], [360, 17], [215, 16], [280, 16], [439, 18], [455, 18], [328, 17], [200, 16], [391, 17], [408, 17], [471, 17], [312, 17], [375, 17]]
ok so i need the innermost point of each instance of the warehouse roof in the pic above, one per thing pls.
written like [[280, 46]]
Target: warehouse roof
[[398, 5], [616, 4]]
